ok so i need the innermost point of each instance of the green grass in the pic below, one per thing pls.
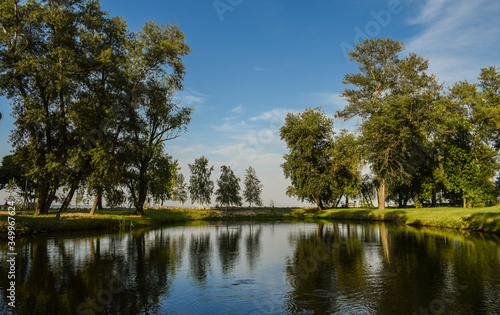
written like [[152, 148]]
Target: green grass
[[478, 219]]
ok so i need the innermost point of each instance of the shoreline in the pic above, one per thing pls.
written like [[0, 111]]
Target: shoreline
[[477, 219]]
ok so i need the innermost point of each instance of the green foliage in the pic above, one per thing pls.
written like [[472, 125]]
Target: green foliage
[[308, 136], [84, 90], [469, 147], [344, 168], [397, 103], [253, 187], [200, 185], [228, 191], [320, 166], [180, 189]]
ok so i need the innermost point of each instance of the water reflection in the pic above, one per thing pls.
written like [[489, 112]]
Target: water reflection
[[375, 270], [228, 240], [200, 251], [253, 268]]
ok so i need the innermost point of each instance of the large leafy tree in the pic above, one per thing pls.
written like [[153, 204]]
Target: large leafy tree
[[201, 186], [180, 189], [228, 191], [396, 102], [156, 117], [345, 167], [39, 68], [470, 148], [308, 136], [60, 65], [253, 187], [79, 82]]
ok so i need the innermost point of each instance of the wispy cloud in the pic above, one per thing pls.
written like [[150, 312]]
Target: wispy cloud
[[330, 99], [430, 11], [190, 97], [458, 37], [277, 114], [238, 109], [230, 118], [230, 126], [259, 69]]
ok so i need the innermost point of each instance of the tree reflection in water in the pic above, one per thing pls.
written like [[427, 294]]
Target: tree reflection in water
[[258, 268]]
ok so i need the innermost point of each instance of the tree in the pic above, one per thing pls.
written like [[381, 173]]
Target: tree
[[180, 192], [12, 172], [396, 101], [39, 72], [228, 191], [308, 136], [470, 148], [253, 187], [81, 84], [488, 114], [60, 66], [200, 185], [344, 167]]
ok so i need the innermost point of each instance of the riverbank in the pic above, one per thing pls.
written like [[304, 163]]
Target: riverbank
[[485, 219], [478, 219]]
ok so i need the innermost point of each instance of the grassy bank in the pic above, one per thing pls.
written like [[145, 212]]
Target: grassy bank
[[479, 219], [122, 219]]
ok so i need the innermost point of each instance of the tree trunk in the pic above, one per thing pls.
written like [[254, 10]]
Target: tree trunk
[[464, 202], [139, 207], [68, 198], [381, 203], [338, 201], [318, 203], [434, 197], [94, 206], [99, 201], [49, 200], [43, 191], [400, 200], [143, 190]]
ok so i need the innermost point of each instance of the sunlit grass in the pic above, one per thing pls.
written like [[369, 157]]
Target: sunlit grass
[[483, 219], [477, 219]]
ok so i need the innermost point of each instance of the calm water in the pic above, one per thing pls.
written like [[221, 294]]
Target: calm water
[[265, 268]]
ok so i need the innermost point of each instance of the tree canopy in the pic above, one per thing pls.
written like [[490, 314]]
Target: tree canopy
[[253, 187], [84, 90], [201, 186], [228, 191]]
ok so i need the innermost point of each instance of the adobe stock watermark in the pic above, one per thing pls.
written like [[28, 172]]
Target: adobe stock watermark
[[103, 298], [11, 253], [372, 28], [223, 6]]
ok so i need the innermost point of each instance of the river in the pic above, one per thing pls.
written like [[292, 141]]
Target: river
[[270, 267]]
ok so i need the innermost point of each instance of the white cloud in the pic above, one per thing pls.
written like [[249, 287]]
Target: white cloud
[[277, 114], [230, 126], [458, 37], [330, 99], [190, 97], [259, 69], [230, 118], [430, 11], [238, 109]]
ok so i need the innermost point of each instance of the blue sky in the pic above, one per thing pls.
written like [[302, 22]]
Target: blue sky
[[253, 61]]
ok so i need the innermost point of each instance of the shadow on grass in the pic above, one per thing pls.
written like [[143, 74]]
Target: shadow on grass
[[485, 221]]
